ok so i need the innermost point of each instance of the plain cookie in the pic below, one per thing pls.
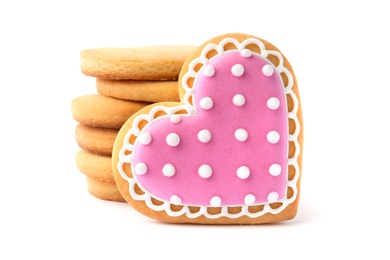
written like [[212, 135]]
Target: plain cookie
[[98, 171], [94, 165], [139, 90], [100, 111], [104, 190], [96, 139], [140, 63]]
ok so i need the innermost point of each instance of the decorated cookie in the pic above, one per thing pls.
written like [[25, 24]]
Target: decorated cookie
[[161, 62], [139, 90], [229, 152]]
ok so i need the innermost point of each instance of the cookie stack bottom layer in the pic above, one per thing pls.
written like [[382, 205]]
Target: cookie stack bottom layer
[[98, 171]]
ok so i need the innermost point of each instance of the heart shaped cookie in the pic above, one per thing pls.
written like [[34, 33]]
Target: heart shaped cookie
[[230, 152]]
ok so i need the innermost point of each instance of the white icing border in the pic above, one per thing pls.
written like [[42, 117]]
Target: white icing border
[[190, 109]]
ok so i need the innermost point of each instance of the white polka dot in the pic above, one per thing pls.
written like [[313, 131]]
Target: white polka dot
[[173, 139], [169, 170], [175, 119], [239, 100], [238, 70], [145, 138], [206, 103], [268, 70], [140, 168], [175, 199], [208, 71], [273, 196], [273, 137], [204, 136], [273, 103], [246, 53], [215, 201], [275, 169], [241, 135], [250, 199], [243, 172], [205, 171]]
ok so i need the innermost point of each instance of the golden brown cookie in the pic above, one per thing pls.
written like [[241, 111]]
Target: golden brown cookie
[[96, 139], [97, 169], [94, 165], [139, 90], [104, 190], [141, 63], [230, 152], [101, 111]]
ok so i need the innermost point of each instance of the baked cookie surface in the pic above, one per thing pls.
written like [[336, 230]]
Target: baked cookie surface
[[98, 172], [139, 90], [100, 111], [94, 165], [140, 63], [96, 139], [230, 152], [104, 190]]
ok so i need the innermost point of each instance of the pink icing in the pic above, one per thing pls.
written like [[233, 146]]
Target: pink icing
[[232, 151]]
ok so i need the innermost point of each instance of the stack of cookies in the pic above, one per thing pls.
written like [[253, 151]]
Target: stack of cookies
[[127, 79]]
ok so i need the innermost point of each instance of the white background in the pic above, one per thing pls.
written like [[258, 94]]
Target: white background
[[340, 55]]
